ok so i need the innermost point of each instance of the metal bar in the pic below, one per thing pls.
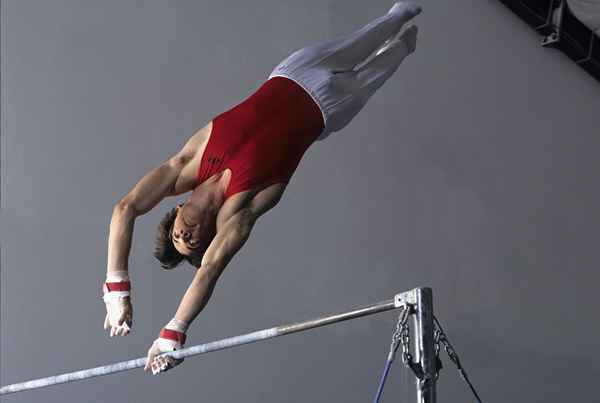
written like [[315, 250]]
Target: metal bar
[[205, 348], [424, 345]]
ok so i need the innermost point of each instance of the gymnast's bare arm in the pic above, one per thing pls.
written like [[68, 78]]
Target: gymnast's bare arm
[[172, 177], [233, 230]]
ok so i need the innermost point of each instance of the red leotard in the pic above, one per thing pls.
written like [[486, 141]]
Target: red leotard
[[262, 139]]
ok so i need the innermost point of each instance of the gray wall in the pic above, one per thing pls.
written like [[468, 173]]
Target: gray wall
[[471, 171]]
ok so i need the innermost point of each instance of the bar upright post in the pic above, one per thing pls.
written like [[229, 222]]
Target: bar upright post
[[424, 345]]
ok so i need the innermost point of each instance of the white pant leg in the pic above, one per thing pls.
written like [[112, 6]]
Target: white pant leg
[[348, 92], [375, 72], [347, 51], [324, 70]]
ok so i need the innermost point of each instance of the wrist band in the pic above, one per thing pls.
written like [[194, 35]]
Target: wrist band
[[177, 325], [172, 335], [114, 276], [120, 286]]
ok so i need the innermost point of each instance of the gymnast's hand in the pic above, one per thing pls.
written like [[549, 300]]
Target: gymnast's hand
[[171, 338], [117, 298]]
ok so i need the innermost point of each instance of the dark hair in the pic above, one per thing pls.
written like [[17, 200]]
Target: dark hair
[[164, 250]]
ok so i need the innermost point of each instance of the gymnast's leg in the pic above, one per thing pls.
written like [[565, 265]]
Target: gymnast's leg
[[347, 51], [374, 73], [349, 91], [340, 75]]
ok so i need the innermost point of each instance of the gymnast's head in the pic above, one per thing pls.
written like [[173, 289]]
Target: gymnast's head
[[184, 233]]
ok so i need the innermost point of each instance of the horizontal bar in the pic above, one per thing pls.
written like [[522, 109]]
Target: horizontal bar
[[204, 348]]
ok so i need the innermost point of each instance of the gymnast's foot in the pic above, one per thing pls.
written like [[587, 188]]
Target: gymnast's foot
[[406, 9]]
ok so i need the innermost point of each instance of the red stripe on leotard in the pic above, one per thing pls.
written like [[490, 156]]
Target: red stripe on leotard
[[263, 138]]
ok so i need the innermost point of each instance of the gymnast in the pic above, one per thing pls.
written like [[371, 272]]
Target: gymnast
[[238, 166]]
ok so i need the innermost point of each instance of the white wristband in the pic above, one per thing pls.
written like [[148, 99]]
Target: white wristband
[[178, 325], [115, 295], [117, 276]]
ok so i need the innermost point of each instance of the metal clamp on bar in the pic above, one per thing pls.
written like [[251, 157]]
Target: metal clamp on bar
[[405, 298]]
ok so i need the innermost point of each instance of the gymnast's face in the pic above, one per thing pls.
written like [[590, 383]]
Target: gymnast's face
[[187, 237]]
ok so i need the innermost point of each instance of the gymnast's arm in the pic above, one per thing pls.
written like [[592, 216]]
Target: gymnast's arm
[[224, 246], [157, 184], [231, 235], [147, 193]]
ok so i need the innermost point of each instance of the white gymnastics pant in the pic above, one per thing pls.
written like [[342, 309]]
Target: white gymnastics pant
[[331, 72]]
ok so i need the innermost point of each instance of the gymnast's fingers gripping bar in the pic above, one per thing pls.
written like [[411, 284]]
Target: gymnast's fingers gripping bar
[[234, 341]]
